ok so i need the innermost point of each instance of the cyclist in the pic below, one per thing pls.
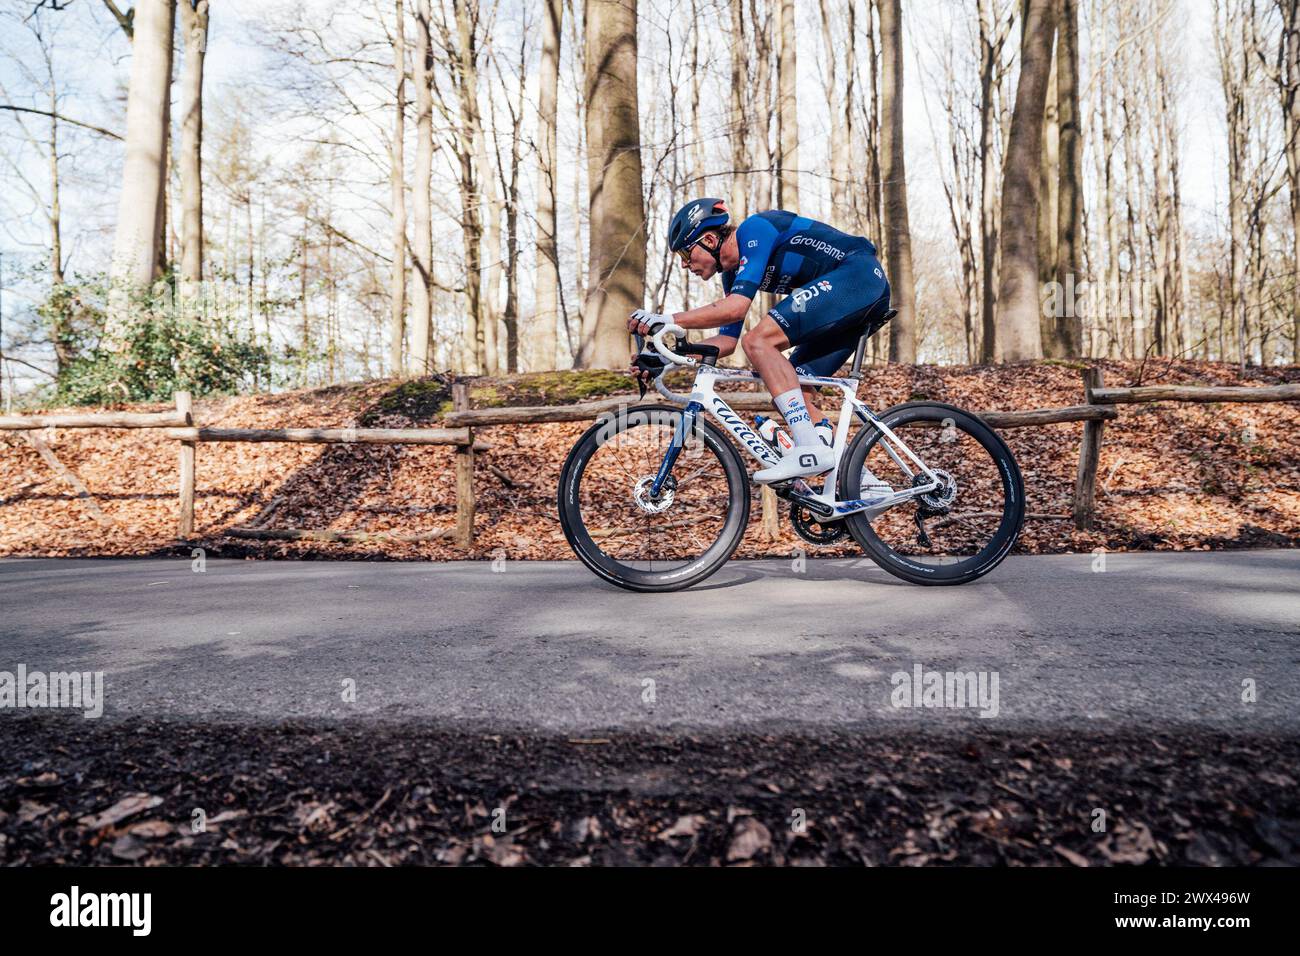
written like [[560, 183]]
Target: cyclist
[[832, 283]]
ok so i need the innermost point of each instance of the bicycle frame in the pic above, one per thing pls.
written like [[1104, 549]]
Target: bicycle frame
[[704, 398]]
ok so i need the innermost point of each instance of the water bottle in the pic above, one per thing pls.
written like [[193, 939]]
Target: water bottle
[[774, 436]]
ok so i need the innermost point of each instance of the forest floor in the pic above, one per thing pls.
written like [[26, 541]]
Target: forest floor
[[155, 792], [1171, 476]]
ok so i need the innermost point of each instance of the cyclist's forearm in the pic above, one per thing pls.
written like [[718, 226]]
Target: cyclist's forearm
[[715, 314]]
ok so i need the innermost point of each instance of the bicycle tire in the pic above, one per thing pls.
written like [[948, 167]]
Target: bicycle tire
[[962, 572], [635, 579]]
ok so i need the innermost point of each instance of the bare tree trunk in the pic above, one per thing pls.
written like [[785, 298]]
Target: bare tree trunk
[[397, 185], [1070, 241], [762, 110], [739, 121], [1233, 79], [305, 316], [991, 39], [421, 354], [161, 221], [490, 361], [1018, 301], [1049, 163], [840, 132], [699, 181], [847, 135], [248, 242], [960, 189], [873, 191], [494, 207], [788, 113], [194, 30], [875, 198], [577, 43], [1289, 86], [510, 317], [1166, 244], [473, 163], [61, 316], [548, 269], [1133, 196], [617, 257], [135, 244], [898, 236], [1110, 298]]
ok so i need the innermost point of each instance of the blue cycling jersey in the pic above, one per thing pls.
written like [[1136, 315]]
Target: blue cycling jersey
[[780, 251]]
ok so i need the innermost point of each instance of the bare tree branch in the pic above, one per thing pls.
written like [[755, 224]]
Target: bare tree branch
[[59, 116]]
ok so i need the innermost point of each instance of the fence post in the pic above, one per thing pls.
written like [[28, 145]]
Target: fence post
[[185, 527], [1085, 485], [464, 473]]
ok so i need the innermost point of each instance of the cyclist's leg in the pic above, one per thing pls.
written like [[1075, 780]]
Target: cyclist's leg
[[823, 360], [763, 346], [826, 352]]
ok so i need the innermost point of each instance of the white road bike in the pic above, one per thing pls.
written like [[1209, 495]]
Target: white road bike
[[657, 498]]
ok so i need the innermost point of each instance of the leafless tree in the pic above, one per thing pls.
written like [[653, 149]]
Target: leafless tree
[[617, 249], [140, 211], [898, 235], [1018, 333]]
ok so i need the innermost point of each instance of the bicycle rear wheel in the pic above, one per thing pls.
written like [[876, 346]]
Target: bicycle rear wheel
[[966, 527], [627, 537]]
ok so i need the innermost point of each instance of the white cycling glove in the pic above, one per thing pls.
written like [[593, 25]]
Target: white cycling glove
[[653, 320]]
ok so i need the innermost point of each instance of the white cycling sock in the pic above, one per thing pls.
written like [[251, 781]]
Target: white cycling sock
[[791, 405]]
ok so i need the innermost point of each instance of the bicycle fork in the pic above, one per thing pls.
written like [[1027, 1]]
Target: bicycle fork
[[685, 425]]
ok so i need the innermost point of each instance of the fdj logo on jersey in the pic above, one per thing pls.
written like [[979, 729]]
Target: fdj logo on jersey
[[801, 297]]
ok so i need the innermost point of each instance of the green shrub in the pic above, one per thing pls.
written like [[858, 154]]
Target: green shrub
[[157, 349]]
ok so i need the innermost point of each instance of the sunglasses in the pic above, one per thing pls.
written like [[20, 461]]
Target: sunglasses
[[685, 253]]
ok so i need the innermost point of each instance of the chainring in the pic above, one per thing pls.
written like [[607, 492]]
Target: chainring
[[813, 529]]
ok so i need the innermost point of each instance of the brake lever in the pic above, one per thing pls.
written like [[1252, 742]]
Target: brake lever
[[640, 347]]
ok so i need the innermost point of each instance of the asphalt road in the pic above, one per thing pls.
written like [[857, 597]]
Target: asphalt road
[[1157, 639]]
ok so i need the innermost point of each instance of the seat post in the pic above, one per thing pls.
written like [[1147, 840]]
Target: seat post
[[873, 326], [856, 370]]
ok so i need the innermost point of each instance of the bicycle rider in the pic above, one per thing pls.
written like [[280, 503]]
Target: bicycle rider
[[832, 283]]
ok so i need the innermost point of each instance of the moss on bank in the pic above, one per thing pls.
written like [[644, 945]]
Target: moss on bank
[[429, 397]]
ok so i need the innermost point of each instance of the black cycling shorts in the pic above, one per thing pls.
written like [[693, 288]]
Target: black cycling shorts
[[824, 319]]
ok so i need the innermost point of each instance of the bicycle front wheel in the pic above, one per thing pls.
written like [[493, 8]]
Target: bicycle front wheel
[[630, 538], [957, 533]]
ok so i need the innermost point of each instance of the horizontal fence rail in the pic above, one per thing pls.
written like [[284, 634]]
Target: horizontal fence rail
[[458, 431], [743, 401], [324, 436], [95, 420], [1198, 393]]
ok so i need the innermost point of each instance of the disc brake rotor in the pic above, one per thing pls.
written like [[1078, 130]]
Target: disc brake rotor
[[941, 499], [653, 506]]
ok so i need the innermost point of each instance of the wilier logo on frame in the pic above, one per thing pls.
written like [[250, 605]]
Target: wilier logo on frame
[[82, 690]]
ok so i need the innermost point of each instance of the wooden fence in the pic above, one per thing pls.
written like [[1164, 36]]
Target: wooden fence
[[459, 424]]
